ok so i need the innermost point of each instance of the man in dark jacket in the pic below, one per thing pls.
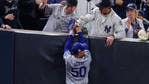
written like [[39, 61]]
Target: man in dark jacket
[[29, 14], [8, 12], [145, 8], [120, 7]]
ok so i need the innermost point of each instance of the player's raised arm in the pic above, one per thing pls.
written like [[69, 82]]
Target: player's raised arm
[[70, 27], [80, 36]]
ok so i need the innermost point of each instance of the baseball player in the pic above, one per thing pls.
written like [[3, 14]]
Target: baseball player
[[77, 59], [104, 22]]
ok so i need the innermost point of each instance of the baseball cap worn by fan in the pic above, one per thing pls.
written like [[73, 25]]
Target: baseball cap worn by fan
[[72, 2], [131, 6], [104, 3], [77, 47]]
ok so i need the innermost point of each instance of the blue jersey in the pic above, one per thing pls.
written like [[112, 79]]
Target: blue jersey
[[77, 68]]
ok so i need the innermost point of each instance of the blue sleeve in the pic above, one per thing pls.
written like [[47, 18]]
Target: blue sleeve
[[82, 40], [68, 43]]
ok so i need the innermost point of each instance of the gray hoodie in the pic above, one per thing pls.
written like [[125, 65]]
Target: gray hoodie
[[57, 19]]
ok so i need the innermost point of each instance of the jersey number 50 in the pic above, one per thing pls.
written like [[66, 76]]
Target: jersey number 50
[[78, 72]]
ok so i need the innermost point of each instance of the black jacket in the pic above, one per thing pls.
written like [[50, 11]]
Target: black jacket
[[121, 10], [10, 8], [1, 21], [29, 14]]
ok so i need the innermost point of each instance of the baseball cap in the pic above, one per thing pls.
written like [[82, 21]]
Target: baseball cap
[[104, 3], [77, 47], [72, 2], [131, 6]]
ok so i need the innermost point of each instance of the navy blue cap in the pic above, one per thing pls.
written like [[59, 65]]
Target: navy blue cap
[[104, 3], [131, 6], [77, 47]]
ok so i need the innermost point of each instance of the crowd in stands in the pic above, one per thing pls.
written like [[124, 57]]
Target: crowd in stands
[[52, 15]]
